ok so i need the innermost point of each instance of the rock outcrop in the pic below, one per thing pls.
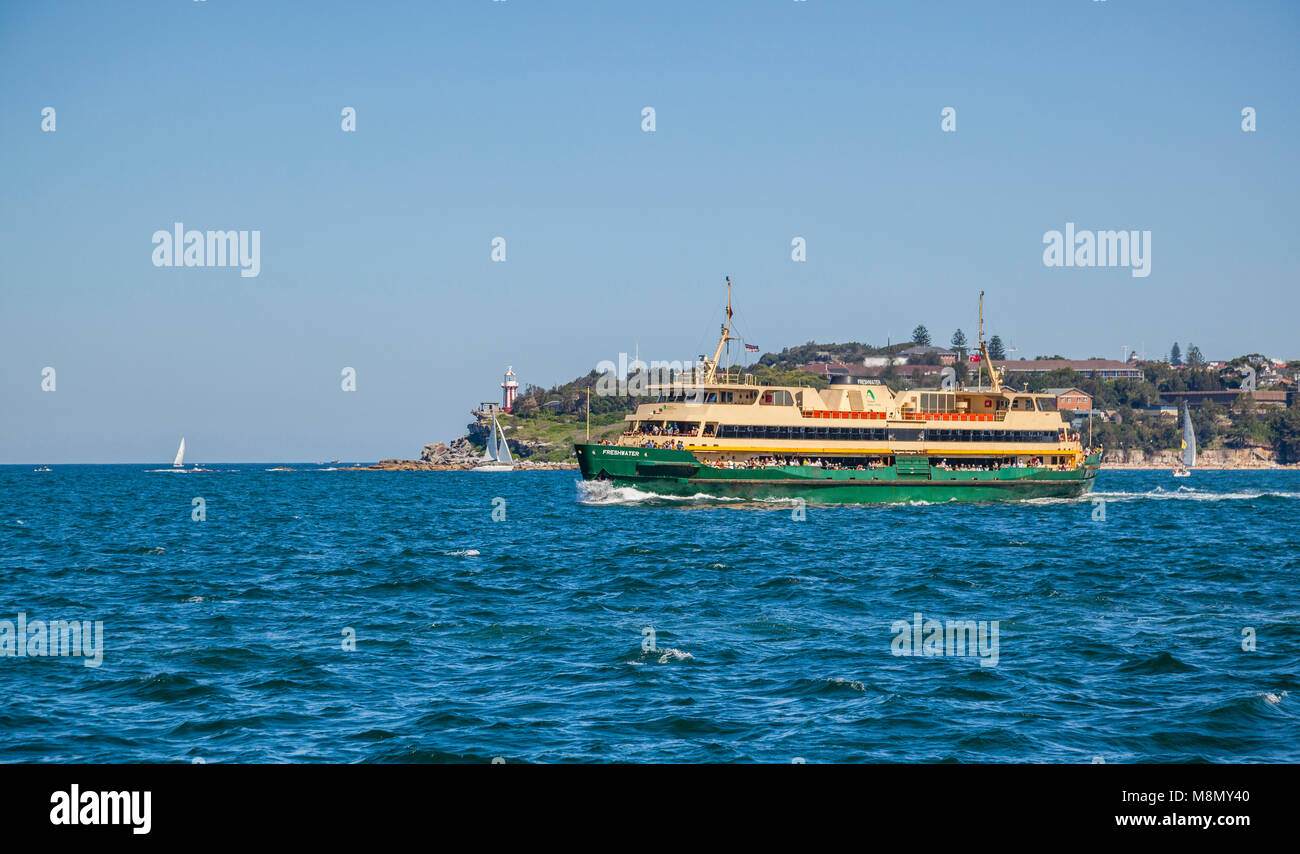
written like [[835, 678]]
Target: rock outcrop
[[1225, 458], [459, 452], [460, 455]]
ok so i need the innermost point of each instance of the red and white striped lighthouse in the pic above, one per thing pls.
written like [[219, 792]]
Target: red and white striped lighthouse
[[509, 388]]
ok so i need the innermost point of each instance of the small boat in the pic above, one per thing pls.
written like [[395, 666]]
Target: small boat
[[497, 456], [1189, 446], [178, 464], [43, 468]]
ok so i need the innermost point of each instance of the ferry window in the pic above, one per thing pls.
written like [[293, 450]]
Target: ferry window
[[711, 397], [779, 397], [1047, 404], [938, 402]]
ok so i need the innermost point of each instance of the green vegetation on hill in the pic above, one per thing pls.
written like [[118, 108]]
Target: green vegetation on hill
[[1243, 424], [550, 438], [851, 352]]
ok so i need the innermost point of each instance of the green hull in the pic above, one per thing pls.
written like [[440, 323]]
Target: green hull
[[679, 473]]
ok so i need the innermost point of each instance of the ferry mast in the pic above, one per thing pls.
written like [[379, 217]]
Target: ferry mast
[[711, 366]]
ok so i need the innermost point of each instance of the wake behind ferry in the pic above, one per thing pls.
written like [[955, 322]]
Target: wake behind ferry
[[717, 432]]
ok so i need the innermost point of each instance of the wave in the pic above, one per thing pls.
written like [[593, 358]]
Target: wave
[[1155, 665], [602, 492], [1186, 493], [672, 655]]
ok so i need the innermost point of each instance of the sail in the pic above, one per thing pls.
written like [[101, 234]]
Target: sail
[[1189, 439], [491, 452], [180, 454], [505, 447]]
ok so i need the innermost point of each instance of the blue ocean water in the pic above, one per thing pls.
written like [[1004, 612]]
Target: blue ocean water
[[774, 639]]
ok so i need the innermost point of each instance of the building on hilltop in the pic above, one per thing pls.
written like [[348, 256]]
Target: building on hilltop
[[1071, 398], [946, 357]]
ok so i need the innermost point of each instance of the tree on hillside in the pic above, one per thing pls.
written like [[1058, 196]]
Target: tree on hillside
[[1175, 355], [1202, 379], [1207, 419], [1135, 394], [996, 348], [921, 336], [1246, 430], [959, 343], [1194, 357], [1284, 428], [1164, 377]]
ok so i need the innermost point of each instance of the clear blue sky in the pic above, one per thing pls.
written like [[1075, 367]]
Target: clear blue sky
[[522, 119]]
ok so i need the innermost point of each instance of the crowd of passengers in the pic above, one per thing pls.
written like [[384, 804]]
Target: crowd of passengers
[[816, 462], [868, 465], [656, 430], [995, 465], [650, 443], [675, 430]]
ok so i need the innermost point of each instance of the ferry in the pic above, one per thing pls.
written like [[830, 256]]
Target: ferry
[[715, 431]]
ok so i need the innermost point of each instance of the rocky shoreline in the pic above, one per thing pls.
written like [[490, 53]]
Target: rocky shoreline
[[421, 465], [1221, 459], [460, 455]]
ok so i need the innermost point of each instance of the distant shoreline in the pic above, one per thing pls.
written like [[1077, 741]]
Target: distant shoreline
[[1150, 467], [421, 465]]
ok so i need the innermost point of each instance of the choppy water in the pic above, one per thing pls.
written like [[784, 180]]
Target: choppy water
[[523, 639]]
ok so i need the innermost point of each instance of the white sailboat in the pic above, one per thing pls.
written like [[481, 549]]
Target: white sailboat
[[1189, 445], [178, 464], [497, 456]]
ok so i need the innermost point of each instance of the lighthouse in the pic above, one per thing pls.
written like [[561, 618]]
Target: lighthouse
[[509, 388]]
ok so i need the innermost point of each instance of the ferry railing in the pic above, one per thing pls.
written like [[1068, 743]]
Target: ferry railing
[[695, 378]]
